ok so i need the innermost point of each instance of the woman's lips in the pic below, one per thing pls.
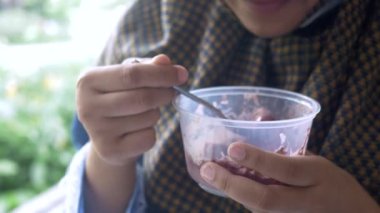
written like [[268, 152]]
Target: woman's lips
[[265, 6]]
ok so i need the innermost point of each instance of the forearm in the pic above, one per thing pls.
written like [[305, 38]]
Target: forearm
[[109, 188]]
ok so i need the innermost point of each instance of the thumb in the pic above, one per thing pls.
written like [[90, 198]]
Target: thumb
[[161, 59]]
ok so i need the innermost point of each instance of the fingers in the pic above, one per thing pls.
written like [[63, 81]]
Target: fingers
[[138, 142], [122, 103], [251, 194], [292, 170], [118, 104], [133, 102], [161, 60], [118, 140], [125, 124], [137, 60], [127, 147], [130, 76], [137, 122]]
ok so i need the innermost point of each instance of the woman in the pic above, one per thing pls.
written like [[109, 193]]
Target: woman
[[329, 50]]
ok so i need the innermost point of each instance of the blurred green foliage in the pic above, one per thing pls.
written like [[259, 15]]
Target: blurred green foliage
[[35, 118], [49, 9], [27, 21], [36, 110]]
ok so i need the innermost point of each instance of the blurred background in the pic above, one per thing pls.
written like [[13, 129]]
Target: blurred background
[[44, 44]]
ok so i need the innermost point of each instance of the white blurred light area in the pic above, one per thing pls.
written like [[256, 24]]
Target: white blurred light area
[[90, 26]]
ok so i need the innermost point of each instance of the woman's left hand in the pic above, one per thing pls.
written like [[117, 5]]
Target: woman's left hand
[[312, 183]]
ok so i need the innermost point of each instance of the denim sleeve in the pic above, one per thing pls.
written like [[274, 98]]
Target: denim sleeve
[[73, 184], [79, 135]]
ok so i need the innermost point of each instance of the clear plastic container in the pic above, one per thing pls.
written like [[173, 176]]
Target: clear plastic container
[[271, 119]]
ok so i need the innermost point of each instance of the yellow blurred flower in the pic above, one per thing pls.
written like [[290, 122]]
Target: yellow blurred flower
[[11, 89], [52, 82]]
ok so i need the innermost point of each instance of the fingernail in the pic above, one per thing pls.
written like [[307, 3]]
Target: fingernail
[[236, 153], [208, 172], [182, 74]]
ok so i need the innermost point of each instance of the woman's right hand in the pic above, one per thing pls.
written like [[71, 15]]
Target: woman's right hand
[[118, 105]]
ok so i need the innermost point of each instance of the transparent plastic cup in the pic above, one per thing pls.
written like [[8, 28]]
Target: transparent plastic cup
[[271, 119]]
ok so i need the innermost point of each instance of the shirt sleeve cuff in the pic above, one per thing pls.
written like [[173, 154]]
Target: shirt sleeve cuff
[[138, 202], [73, 184]]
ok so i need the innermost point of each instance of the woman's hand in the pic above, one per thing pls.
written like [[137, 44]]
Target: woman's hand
[[313, 184], [118, 105]]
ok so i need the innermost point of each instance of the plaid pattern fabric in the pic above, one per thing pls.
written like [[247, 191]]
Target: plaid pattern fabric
[[337, 63]]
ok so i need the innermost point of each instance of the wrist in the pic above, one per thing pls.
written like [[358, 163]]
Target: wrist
[[104, 181], [98, 160]]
